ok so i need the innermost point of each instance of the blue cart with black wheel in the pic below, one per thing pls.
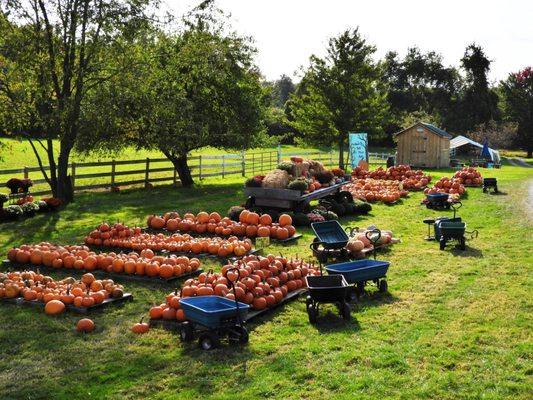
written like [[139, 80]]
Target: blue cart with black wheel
[[214, 317]]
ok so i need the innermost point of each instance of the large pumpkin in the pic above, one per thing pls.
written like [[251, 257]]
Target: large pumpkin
[[54, 307], [85, 325]]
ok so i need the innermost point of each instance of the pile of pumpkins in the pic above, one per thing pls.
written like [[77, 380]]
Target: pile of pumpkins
[[370, 190], [80, 258], [453, 187], [250, 224], [57, 294], [105, 233], [261, 282], [410, 178], [359, 241], [468, 176]]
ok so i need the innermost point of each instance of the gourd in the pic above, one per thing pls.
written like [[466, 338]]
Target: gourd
[[298, 184]]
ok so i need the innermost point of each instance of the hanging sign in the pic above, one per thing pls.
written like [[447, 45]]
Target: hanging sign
[[358, 150]]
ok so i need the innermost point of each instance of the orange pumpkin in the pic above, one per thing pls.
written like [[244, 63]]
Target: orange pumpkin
[[265, 219], [54, 307], [252, 218], [263, 231], [140, 327], [85, 325], [285, 219]]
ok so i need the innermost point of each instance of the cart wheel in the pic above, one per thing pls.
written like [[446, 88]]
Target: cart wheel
[[308, 302], [428, 206], [345, 311], [360, 289], [383, 286], [447, 205], [462, 243], [209, 341], [442, 243], [186, 332], [484, 190], [239, 334], [312, 313]]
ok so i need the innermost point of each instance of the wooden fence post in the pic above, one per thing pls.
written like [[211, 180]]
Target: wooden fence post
[[253, 163], [262, 166], [73, 176], [331, 158], [200, 167], [243, 163], [112, 174], [147, 173], [279, 153], [223, 166], [26, 173]]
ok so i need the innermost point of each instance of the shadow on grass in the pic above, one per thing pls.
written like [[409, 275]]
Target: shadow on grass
[[497, 193], [469, 252]]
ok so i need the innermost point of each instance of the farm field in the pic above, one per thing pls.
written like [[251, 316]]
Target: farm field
[[453, 325]]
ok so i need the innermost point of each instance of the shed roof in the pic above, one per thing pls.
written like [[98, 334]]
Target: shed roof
[[431, 127]]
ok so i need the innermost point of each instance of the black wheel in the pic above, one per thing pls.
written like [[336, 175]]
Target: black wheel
[[209, 341], [447, 205], [308, 302], [345, 311], [484, 190], [360, 289], [344, 197], [442, 243], [462, 243], [383, 286], [250, 202], [429, 206], [312, 313], [238, 334], [186, 332]]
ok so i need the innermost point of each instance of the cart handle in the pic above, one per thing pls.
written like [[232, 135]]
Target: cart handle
[[474, 234], [350, 230], [232, 282], [314, 245], [455, 206], [368, 233]]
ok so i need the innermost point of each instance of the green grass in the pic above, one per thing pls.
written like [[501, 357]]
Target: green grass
[[454, 325]]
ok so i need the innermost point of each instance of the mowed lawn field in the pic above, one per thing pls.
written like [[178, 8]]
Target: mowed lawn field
[[453, 325]]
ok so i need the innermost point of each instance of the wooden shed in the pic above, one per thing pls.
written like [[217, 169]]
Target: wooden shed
[[423, 145]]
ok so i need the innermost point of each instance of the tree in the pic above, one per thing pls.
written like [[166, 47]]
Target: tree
[[517, 93], [281, 90], [419, 84], [340, 93], [52, 54], [190, 90], [479, 103]]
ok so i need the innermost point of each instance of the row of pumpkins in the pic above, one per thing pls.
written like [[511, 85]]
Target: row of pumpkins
[[261, 282], [370, 190], [81, 258], [124, 237], [250, 224], [410, 178], [57, 295]]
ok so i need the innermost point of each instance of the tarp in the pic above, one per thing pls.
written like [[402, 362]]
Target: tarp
[[462, 140]]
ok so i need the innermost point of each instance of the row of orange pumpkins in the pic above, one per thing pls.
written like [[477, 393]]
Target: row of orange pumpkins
[[410, 178], [56, 294], [386, 191], [81, 258], [250, 224], [261, 282]]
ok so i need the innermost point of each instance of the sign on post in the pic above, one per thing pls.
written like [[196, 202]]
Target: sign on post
[[358, 150]]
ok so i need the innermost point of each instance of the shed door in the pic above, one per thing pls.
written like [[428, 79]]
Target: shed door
[[419, 155]]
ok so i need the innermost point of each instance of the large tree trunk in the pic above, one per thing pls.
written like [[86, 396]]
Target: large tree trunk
[[180, 163], [64, 189], [529, 153], [341, 151]]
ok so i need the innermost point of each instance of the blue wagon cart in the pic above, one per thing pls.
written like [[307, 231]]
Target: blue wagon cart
[[214, 317], [359, 272], [330, 241]]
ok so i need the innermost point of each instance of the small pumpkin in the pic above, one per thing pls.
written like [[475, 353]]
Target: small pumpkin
[[85, 325], [140, 327]]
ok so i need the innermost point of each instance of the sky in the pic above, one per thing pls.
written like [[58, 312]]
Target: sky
[[287, 32]]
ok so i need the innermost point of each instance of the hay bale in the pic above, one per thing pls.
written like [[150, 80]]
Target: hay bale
[[276, 179]]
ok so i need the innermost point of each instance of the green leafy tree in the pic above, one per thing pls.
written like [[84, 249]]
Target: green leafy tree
[[517, 93], [479, 102], [339, 93], [52, 54], [190, 90]]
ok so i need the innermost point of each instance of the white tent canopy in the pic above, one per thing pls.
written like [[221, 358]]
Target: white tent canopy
[[462, 140]]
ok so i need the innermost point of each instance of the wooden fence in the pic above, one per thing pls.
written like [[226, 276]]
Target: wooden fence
[[120, 173]]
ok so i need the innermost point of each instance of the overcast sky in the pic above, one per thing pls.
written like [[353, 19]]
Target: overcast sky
[[286, 32]]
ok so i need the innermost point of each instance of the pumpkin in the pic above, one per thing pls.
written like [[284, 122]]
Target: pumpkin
[[252, 218], [54, 307], [285, 219], [355, 245], [156, 312], [140, 327], [172, 224], [263, 231], [282, 233], [85, 325], [265, 219]]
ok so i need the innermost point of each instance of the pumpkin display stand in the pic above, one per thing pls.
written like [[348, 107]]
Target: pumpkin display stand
[[82, 310], [105, 274]]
